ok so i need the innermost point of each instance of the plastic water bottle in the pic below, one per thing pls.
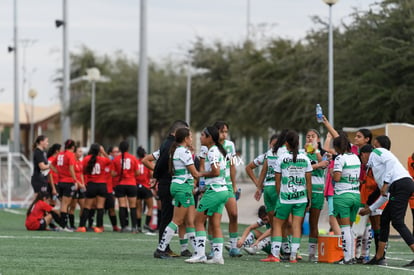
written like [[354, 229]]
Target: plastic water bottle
[[325, 157], [319, 114], [202, 184], [237, 194]]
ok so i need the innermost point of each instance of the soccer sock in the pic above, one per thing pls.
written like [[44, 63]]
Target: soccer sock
[[233, 240], [123, 213], [295, 247], [285, 245], [184, 244], [201, 243], [358, 247], [99, 217], [210, 241], [276, 245], [84, 217], [218, 248], [148, 220], [249, 239], [264, 243], [139, 221], [113, 220], [158, 218], [133, 214], [167, 236], [56, 217], [71, 220], [376, 239], [347, 242], [190, 232], [64, 219], [312, 245], [366, 241], [90, 217]]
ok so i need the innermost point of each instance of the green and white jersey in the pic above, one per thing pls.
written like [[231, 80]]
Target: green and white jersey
[[318, 175], [293, 183], [231, 153], [214, 157], [349, 165], [181, 159], [271, 164]]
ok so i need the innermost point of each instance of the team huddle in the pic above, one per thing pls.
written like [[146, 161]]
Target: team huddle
[[193, 190]]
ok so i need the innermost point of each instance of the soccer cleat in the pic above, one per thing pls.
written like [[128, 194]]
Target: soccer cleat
[[410, 264], [227, 246], [125, 230], [97, 230], [342, 261], [116, 228], [81, 229], [215, 261], [172, 253], [293, 260], [186, 253], [375, 261], [271, 259], [235, 252], [250, 250], [196, 259], [161, 254], [66, 229], [148, 228]]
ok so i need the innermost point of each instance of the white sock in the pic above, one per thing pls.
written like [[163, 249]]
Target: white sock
[[233, 242], [249, 239], [191, 239], [217, 250], [167, 236], [294, 251], [201, 246], [366, 241], [263, 243], [358, 247], [347, 242], [276, 248], [286, 247], [312, 248]]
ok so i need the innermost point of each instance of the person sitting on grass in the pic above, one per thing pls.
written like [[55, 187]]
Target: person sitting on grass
[[40, 213]]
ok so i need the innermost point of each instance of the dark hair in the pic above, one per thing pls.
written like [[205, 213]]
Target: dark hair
[[367, 148], [52, 150], [384, 141], [367, 134], [40, 196], [110, 148], [341, 144], [273, 137], [38, 140], [123, 147], [214, 133], [280, 140], [292, 139], [141, 152], [319, 142], [180, 136], [69, 144], [220, 125], [94, 152], [177, 125], [262, 211]]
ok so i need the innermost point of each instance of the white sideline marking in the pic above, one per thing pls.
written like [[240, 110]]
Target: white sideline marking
[[398, 268], [13, 211], [70, 238]]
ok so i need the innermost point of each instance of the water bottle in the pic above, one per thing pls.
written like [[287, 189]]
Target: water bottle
[[202, 184], [325, 157], [319, 114], [237, 194]]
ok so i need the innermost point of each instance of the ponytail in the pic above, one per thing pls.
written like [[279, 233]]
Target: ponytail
[[280, 141], [69, 144], [123, 147], [40, 196], [292, 139], [93, 151], [214, 133], [180, 136], [38, 140], [52, 150]]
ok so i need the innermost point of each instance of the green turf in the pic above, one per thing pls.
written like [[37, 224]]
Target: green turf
[[24, 252]]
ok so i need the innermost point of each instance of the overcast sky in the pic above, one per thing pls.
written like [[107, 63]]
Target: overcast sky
[[109, 25]]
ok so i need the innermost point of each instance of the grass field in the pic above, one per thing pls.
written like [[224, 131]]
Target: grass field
[[24, 252]]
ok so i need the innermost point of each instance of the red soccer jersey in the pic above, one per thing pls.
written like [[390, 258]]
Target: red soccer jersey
[[38, 211], [99, 171], [79, 170], [130, 166], [55, 176], [62, 163], [144, 175]]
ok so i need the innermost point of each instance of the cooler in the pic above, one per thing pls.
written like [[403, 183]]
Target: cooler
[[330, 248]]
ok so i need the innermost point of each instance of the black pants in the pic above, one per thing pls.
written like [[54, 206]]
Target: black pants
[[167, 208], [394, 212]]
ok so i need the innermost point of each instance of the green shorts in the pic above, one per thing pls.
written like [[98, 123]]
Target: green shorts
[[283, 210], [270, 197], [231, 191], [346, 205], [213, 202], [318, 200], [182, 194]]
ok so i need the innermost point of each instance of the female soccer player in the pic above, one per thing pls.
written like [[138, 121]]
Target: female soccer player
[[40, 213], [183, 170], [294, 187], [96, 164], [79, 197], [41, 167], [212, 203], [126, 169]]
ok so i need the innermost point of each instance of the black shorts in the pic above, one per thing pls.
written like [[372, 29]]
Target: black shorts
[[110, 201], [66, 189], [43, 224], [39, 185], [125, 191], [94, 189], [80, 194], [143, 193]]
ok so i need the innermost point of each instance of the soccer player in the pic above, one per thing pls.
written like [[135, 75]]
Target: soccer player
[[40, 214]]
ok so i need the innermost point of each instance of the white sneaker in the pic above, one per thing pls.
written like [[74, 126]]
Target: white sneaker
[[250, 250], [215, 261], [196, 259], [67, 230]]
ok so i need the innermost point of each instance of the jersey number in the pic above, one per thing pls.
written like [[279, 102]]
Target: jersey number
[[60, 160], [96, 169]]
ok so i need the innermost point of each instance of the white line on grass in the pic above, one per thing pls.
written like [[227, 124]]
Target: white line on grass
[[70, 238], [13, 211], [398, 268]]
